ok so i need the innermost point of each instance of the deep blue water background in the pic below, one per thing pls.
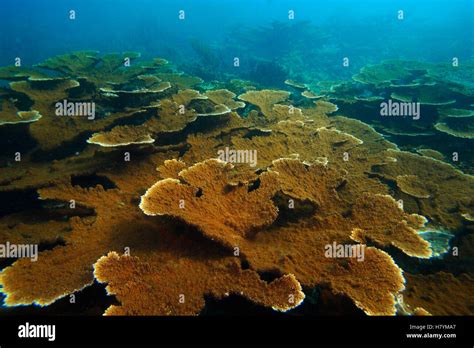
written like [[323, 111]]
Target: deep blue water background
[[433, 30]]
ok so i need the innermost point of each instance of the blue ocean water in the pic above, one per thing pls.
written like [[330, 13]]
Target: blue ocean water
[[433, 30]]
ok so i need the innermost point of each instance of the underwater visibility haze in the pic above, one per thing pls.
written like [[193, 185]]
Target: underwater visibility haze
[[269, 157]]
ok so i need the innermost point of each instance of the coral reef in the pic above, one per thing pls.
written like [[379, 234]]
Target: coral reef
[[440, 293], [10, 115], [121, 136], [450, 191], [233, 216], [140, 198], [441, 91], [456, 122], [265, 99], [225, 97], [172, 290], [392, 73]]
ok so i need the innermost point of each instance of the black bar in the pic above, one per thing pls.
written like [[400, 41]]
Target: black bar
[[240, 330]]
